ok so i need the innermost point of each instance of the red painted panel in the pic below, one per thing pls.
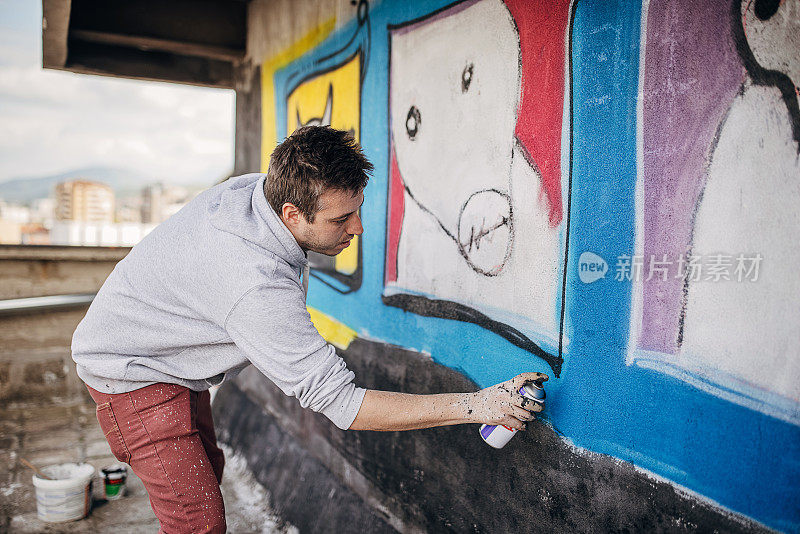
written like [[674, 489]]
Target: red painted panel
[[395, 222], [542, 29]]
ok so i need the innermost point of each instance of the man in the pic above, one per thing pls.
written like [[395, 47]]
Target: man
[[221, 285]]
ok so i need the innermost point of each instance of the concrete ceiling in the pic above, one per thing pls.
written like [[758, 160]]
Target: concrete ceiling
[[196, 42]]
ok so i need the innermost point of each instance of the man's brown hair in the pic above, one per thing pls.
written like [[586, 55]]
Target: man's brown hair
[[311, 160]]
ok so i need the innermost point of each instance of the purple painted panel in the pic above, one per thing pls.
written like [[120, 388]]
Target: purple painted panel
[[691, 74]]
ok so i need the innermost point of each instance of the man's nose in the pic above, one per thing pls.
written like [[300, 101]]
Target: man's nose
[[355, 228]]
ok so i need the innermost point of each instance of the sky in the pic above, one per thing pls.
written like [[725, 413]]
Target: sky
[[55, 121]]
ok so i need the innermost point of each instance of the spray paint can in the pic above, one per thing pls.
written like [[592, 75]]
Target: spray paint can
[[498, 435]]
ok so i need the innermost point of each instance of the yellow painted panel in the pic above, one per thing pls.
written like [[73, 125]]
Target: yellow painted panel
[[347, 260], [337, 334], [338, 91], [269, 128], [332, 97]]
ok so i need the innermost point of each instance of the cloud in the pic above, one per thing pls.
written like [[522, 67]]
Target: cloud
[[56, 121]]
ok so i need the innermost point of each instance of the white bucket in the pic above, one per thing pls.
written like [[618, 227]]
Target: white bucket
[[66, 498]]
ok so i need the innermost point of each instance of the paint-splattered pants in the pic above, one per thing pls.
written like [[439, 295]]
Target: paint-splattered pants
[[166, 434]]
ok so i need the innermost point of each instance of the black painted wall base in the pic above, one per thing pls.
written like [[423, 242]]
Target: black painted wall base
[[322, 479], [304, 492]]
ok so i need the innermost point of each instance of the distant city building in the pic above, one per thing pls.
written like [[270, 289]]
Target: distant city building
[[85, 216], [84, 201], [43, 211], [129, 209], [14, 213], [160, 202], [34, 234], [152, 203], [12, 218], [86, 213], [24, 225], [78, 233]]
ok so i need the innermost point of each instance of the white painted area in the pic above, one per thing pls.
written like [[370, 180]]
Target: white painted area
[[637, 287], [247, 503], [466, 172], [751, 204]]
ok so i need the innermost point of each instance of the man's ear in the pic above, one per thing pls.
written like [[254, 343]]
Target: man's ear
[[290, 214]]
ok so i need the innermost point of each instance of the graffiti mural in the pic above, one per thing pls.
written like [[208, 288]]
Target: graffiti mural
[[724, 316], [475, 223], [510, 140]]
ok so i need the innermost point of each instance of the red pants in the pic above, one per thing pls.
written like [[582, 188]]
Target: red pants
[[166, 434]]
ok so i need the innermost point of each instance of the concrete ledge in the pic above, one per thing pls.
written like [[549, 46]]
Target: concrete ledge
[[59, 253], [37, 271]]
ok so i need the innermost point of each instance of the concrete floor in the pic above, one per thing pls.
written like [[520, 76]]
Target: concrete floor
[[67, 431]]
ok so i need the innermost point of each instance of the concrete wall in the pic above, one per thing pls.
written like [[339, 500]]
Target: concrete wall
[[35, 360], [604, 191]]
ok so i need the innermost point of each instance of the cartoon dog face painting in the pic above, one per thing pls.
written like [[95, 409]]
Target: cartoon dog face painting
[[453, 133], [475, 226]]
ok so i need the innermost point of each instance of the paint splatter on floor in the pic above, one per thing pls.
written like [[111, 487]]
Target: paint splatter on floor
[[247, 503]]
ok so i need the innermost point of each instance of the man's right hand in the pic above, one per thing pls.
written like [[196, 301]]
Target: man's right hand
[[498, 405], [502, 403]]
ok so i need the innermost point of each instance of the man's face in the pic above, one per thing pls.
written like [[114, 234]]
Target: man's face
[[335, 223]]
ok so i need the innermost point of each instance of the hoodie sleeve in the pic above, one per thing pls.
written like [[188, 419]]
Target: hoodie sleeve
[[271, 325]]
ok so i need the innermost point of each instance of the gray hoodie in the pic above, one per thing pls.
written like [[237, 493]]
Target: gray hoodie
[[209, 291]]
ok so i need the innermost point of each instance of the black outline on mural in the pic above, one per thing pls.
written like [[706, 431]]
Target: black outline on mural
[[505, 221], [390, 159], [318, 121], [573, 10], [320, 270], [326, 70], [709, 159], [434, 13], [362, 14], [363, 46], [445, 309], [762, 76], [389, 29]]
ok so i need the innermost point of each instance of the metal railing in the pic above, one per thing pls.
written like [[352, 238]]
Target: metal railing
[[49, 303]]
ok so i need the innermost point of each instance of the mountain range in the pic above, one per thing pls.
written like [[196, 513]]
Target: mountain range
[[124, 182]]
